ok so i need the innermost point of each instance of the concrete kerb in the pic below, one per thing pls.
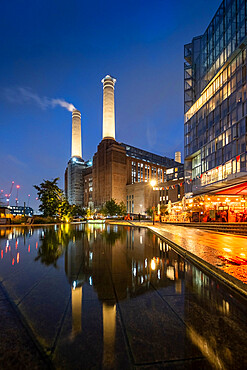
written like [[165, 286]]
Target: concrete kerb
[[231, 282]]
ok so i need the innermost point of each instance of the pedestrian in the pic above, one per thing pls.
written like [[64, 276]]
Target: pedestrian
[[139, 217]]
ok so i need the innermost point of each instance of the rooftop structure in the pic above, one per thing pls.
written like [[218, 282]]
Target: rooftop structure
[[144, 155]]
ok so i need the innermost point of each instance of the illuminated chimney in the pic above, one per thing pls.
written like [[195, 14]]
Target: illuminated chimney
[[178, 157], [76, 134], [108, 107]]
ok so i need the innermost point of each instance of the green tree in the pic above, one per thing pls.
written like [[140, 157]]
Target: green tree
[[110, 208], [50, 196], [78, 211], [149, 211], [121, 209], [65, 210]]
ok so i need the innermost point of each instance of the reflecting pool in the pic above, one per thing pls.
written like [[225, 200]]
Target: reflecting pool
[[100, 296]]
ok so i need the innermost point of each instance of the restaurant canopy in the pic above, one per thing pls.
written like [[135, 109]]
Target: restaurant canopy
[[240, 189]]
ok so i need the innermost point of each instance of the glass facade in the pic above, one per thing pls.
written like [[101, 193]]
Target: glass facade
[[215, 98]]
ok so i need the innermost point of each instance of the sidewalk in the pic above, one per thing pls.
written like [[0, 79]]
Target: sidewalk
[[223, 254], [17, 350]]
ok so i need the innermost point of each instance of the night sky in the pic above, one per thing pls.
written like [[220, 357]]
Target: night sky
[[62, 49]]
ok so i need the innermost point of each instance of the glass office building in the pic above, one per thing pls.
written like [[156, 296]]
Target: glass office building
[[215, 101]]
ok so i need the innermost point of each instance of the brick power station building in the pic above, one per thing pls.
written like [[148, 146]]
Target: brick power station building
[[119, 171]]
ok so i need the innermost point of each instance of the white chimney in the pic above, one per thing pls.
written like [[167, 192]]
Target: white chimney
[[76, 134], [108, 107], [178, 157]]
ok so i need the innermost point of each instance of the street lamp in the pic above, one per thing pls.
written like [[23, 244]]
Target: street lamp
[[153, 183]]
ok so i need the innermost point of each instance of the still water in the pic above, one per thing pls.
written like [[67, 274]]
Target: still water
[[98, 296]]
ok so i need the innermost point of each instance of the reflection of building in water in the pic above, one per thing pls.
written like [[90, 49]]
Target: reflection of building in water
[[109, 328], [75, 256], [121, 263], [76, 301]]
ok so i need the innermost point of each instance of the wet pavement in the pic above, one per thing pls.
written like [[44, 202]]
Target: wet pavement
[[93, 297]]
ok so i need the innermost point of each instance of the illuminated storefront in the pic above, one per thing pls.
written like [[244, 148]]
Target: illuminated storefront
[[228, 205]]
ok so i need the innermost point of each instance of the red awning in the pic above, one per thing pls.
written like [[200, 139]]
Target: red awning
[[240, 189]]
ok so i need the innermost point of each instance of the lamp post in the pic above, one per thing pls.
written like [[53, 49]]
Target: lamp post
[[153, 183]]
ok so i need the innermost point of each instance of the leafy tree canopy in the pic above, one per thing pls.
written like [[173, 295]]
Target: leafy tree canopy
[[50, 196], [112, 208], [53, 202]]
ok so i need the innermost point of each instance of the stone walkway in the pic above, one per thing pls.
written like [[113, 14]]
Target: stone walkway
[[18, 350]]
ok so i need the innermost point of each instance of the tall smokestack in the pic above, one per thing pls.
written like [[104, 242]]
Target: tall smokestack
[[76, 134], [108, 107], [178, 157]]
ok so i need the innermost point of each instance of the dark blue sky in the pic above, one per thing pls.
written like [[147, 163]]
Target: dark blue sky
[[62, 49]]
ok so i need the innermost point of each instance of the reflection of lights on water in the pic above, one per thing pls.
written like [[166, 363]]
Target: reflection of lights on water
[[205, 347], [226, 306], [74, 285], [90, 280], [90, 255], [134, 271], [18, 257], [140, 239], [158, 274], [142, 279], [170, 272], [146, 262], [227, 249], [153, 265]]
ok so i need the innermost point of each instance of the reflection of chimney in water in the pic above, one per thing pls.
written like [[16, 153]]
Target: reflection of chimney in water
[[109, 329], [76, 150], [76, 300], [108, 107]]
